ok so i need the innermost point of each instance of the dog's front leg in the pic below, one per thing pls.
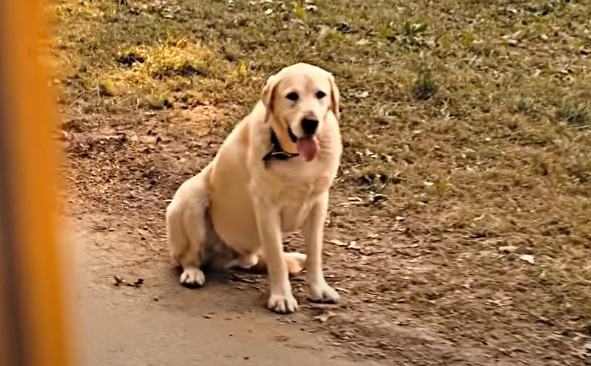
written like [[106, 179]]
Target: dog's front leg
[[269, 229], [313, 230]]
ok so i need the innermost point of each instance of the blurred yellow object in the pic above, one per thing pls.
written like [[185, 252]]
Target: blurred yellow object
[[33, 327]]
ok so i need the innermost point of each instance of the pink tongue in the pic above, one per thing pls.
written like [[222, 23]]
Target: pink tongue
[[307, 148]]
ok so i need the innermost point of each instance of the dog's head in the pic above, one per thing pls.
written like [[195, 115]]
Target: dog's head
[[298, 100]]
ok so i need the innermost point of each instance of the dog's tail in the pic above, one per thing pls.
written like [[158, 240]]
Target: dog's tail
[[295, 263]]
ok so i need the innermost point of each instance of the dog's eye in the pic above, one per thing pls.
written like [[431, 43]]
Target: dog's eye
[[293, 96], [320, 94]]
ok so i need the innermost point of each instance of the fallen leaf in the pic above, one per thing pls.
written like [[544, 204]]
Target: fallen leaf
[[528, 258], [353, 245], [118, 280], [478, 218], [337, 242], [121, 282], [511, 10], [137, 283], [325, 316]]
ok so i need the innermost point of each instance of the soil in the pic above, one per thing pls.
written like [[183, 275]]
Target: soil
[[143, 317], [409, 297]]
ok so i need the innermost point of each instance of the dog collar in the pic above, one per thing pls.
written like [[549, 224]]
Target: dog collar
[[277, 151]]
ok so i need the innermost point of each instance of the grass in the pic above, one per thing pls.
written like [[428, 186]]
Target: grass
[[576, 111], [425, 86], [485, 140]]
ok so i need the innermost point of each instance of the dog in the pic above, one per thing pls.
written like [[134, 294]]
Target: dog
[[270, 177]]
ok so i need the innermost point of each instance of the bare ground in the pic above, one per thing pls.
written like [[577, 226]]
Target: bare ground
[[149, 320], [459, 228]]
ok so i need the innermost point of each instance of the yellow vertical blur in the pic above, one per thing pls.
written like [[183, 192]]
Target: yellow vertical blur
[[33, 327]]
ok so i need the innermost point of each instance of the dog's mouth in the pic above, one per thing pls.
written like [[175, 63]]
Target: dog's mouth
[[307, 147]]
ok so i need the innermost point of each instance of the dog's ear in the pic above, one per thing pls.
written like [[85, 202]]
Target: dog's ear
[[335, 96], [268, 94]]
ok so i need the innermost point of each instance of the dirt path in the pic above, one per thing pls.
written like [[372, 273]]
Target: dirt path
[[161, 323], [412, 294]]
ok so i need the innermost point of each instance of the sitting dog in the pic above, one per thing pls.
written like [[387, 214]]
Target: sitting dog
[[270, 177]]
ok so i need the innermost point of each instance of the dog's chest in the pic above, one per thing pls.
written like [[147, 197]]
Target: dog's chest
[[293, 216], [296, 202], [295, 186]]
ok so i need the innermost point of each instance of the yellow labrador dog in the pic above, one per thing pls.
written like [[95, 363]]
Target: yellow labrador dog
[[270, 178]]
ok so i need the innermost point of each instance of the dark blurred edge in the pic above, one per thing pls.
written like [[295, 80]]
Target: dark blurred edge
[[12, 333]]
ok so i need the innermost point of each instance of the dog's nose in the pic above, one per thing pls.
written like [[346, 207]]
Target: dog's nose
[[309, 125]]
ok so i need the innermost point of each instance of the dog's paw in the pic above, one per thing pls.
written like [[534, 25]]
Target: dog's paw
[[192, 277], [323, 293], [283, 304]]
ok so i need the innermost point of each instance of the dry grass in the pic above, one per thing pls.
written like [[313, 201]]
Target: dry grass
[[469, 119]]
